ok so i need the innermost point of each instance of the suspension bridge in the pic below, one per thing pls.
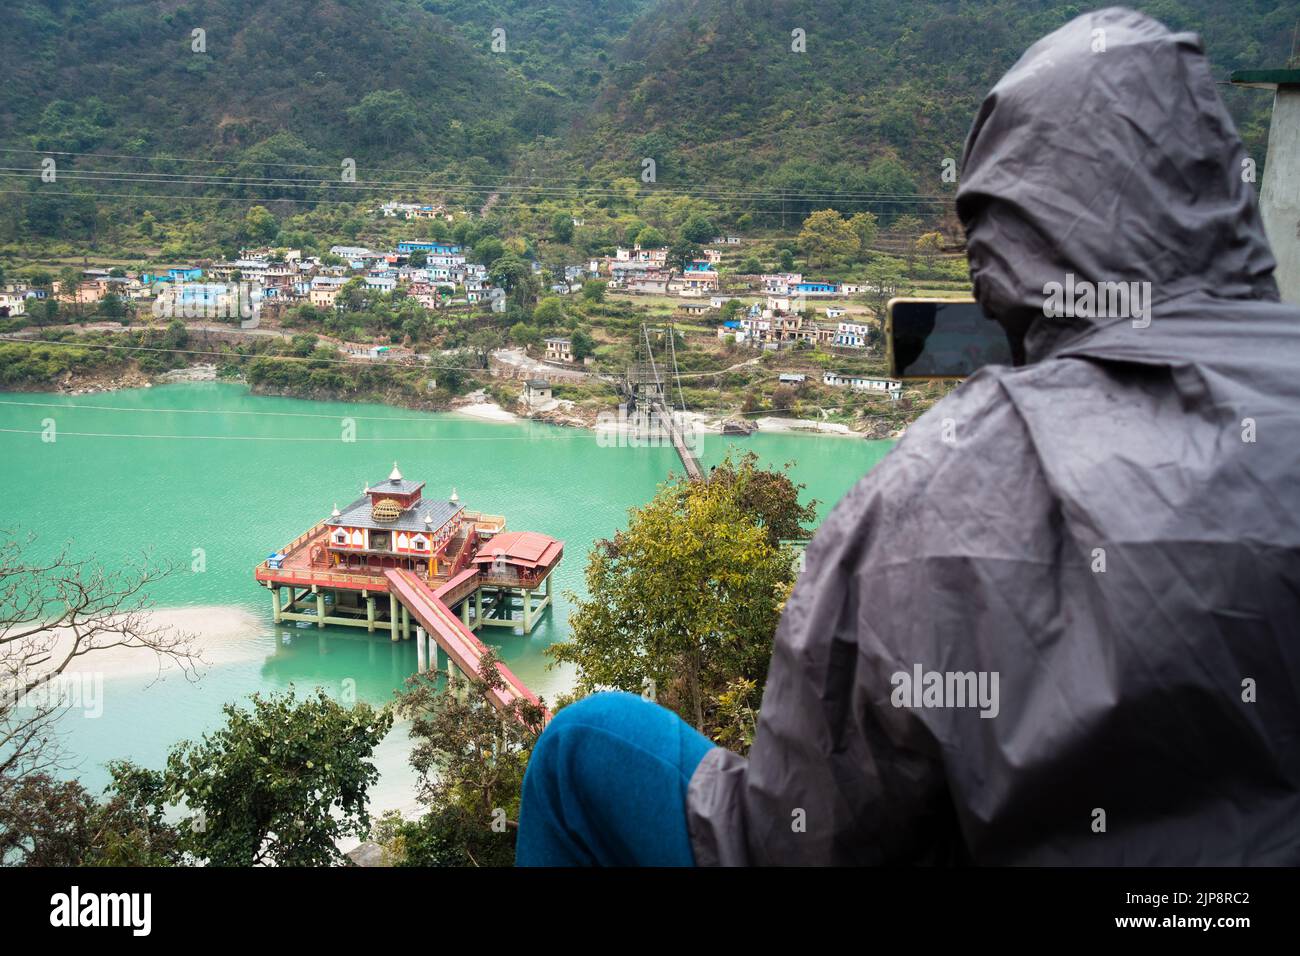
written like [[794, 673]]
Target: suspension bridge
[[652, 412]]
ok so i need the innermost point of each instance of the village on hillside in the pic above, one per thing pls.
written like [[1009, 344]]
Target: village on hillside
[[562, 329]]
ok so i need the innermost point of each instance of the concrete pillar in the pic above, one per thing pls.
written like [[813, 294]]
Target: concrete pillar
[[275, 605], [406, 623], [320, 606], [370, 613], [478, 608], [1279, 193], [464, 613], [392, 615], [528, 610], [548, 586], [421, 650], [1279, 189]]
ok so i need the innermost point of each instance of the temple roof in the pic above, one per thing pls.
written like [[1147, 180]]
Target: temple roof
[[357, 514], [526, 549], [394, 486]]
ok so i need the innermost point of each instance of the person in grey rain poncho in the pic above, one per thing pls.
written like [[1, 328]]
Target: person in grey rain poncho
[[1060, 622]]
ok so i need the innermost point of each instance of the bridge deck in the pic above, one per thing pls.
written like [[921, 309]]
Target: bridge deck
[[460, 644], [459, 587], [684, 451]]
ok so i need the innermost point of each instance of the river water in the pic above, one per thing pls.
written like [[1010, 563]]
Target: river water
[[211, 478]]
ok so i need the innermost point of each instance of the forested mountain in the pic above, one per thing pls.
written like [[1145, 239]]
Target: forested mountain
[[581, 93], [883, 92]]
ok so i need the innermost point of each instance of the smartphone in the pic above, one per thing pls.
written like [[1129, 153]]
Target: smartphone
[[942, 338]]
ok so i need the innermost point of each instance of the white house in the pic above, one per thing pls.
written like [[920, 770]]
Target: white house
[[537, 391], [852, 335], [559, 350], [13, 303], [861, 383]]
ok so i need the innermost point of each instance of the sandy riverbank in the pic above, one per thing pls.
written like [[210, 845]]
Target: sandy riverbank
[[193, 373], [486, 411], [785, 425], [218, 635]]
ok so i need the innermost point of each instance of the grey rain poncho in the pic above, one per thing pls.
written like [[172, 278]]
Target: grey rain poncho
[[1109, 531]]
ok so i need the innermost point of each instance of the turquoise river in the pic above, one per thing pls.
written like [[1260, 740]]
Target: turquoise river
[[211, 478]]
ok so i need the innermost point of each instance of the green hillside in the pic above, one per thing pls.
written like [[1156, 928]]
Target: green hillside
[[741, 128], [883, 93]]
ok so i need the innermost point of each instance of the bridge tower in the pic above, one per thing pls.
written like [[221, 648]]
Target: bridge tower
[[646, 390]]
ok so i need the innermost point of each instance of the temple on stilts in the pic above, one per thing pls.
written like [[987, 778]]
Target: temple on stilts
[[417, 568]]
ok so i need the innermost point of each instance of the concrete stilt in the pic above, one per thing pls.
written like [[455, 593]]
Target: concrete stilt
[[406, 623], [370, 613], [478, 608], [421, 650], [275, 605], [464, 613], [392, 615], [320, 606], [528, 610]]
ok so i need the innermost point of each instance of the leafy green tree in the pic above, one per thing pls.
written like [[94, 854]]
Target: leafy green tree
[[562, 227], [484, 342], [582, 344], [47, 822], [928, 246], [302, 345], [260, 226], [651, 238], [525, 335], [550, 312], [908, 230], [353, 295], [698, 230], [111, 308], [593, 290], [826, 238], [488, 250], [787, 260], [513, 274], [865, 226], [470, 758], [69, 280], [751, 266], [686, 599], [176, 336], [682, 252], [280, 783]]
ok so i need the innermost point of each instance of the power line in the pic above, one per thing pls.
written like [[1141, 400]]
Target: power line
[[507, 183], [282, 438], [540, 192], [214, 411], [710, 191]]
